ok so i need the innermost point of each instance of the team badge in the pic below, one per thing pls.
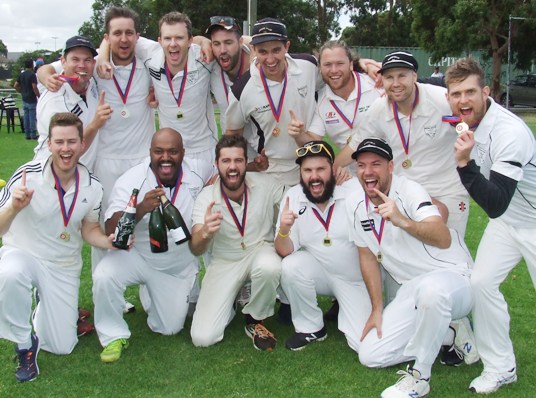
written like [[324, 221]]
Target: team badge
[[430, 131], [302, 91]]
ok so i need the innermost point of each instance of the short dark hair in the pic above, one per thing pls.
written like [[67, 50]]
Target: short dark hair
[[175, 17], [121, 12], [65, 119], [462, 69], [231, 141], [29, 63]]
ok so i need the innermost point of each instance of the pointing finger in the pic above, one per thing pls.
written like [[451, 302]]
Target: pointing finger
[[101, 98], [381, 194], [287, 204], [23, 178], [292, 115], [209, 208]]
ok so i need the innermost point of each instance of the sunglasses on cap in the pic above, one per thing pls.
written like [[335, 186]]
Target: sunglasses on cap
[[224, 21], [315, 148]]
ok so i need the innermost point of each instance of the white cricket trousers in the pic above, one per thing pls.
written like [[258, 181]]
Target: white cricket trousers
[[502, 247], [222, 282], [168, 292], [416, 321], [57, 313], [303, 277]]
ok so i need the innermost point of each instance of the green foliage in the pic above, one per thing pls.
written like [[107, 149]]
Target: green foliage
[[47, 56], [3, 49]]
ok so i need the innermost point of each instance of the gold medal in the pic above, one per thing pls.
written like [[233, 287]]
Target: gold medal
[[243, 245], [65, 236], [379, 257], [276, 131], [124, 113], [461, 127], [406, 164], [179, 115], [327, 241]]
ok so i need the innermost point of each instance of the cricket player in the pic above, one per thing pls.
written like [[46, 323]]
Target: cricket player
[[395, 223], [47, 208], [496, 158], [318, 257]]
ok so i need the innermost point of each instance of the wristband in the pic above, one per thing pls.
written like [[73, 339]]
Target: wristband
[[283, 235]]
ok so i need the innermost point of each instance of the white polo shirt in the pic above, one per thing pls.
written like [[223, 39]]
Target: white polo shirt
[[39, 228], [130, 137], [404, 256], [248, 103], [197, 124], [142, 178], [66, 100], [327, 118], [264, 193], [341, 258], [431, 141], [505, 144]]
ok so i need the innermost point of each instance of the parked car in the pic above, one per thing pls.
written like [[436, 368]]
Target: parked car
[[522, 91]]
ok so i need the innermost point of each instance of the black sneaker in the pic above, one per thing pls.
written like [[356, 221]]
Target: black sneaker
[[332, 314], [451, 356], [27, 370], [262, 338], [298, 341]]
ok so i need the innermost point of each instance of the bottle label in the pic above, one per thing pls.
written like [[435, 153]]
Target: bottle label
[[130, 209], [177, 234]]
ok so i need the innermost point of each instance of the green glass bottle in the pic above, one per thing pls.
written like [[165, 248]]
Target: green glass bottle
[[157, 232], [174, 221]]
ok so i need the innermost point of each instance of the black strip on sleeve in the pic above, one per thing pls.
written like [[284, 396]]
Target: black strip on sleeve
[[493, 195]]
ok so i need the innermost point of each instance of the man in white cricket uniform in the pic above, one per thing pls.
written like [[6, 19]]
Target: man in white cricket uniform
[[169, 276], [409, 118], [79, 96], [394, 222], [496, 160], [233, 221], [182, 87], [46, 209], [275, 84], [312, 236]]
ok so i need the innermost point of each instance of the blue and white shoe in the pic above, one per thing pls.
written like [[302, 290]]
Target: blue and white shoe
[[27, 370]]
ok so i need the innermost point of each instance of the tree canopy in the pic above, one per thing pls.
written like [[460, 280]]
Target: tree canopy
[[3, 49]]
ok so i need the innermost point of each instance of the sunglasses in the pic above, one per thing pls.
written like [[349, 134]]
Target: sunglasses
[[315, 148], [224, 21]]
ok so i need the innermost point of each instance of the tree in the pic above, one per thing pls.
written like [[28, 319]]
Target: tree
[[3, 49], [47, 56], [379, 23], [443, 27]]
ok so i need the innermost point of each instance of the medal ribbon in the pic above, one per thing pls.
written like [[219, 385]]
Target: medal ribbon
[[240, 72], [328, 219], [275, 111], [405, 142], [64, 213], [124, 94], [377, 234], [340, 112], [183, 84], [241, 227], [453, 120], [175, 188]]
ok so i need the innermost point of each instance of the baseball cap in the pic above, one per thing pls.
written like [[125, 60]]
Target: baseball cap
[[79, 41], [268, 29], [225, 22], [374, 145], [399, 59], [39, 61], [315, 148]]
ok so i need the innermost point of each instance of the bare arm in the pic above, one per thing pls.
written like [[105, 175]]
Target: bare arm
[[370, 270], [92, 234], [50, 79], [344, 157]]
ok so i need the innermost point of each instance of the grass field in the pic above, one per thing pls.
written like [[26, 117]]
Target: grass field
[[161, 366]]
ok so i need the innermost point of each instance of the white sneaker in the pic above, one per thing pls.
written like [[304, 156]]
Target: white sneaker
[[489, 382], [128, 307], [464, 340], [410, 385]]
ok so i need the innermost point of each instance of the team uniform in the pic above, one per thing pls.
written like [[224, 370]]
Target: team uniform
[[168, 277], [504, 145], [431, 160], [249, 103], [41, 252], [67, 100], [194, 118], [435, 282], [314, 268], [236, 259], [340, 118]]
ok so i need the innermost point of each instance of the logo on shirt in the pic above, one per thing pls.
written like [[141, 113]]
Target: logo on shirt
[[481, 153], [302, 210], [156, 74], [84, 200], [430, 131], [367, 225], [192, 77], [262, 109], [302, 91]]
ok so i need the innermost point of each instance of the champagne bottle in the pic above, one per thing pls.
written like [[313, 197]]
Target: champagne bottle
[[157, 232], [127, 222], [174, 221]]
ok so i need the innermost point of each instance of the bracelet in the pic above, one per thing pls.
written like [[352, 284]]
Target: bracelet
[[283, 235]]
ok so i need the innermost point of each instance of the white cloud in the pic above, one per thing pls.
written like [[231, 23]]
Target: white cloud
[[27, 22]]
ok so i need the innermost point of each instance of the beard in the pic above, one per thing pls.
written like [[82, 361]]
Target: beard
[[329, 188], [234, 185]]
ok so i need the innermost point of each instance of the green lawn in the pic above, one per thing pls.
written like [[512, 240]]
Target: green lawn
[[159, 366]]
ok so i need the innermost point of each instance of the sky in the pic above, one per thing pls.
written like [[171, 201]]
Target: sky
[[27, 25]]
